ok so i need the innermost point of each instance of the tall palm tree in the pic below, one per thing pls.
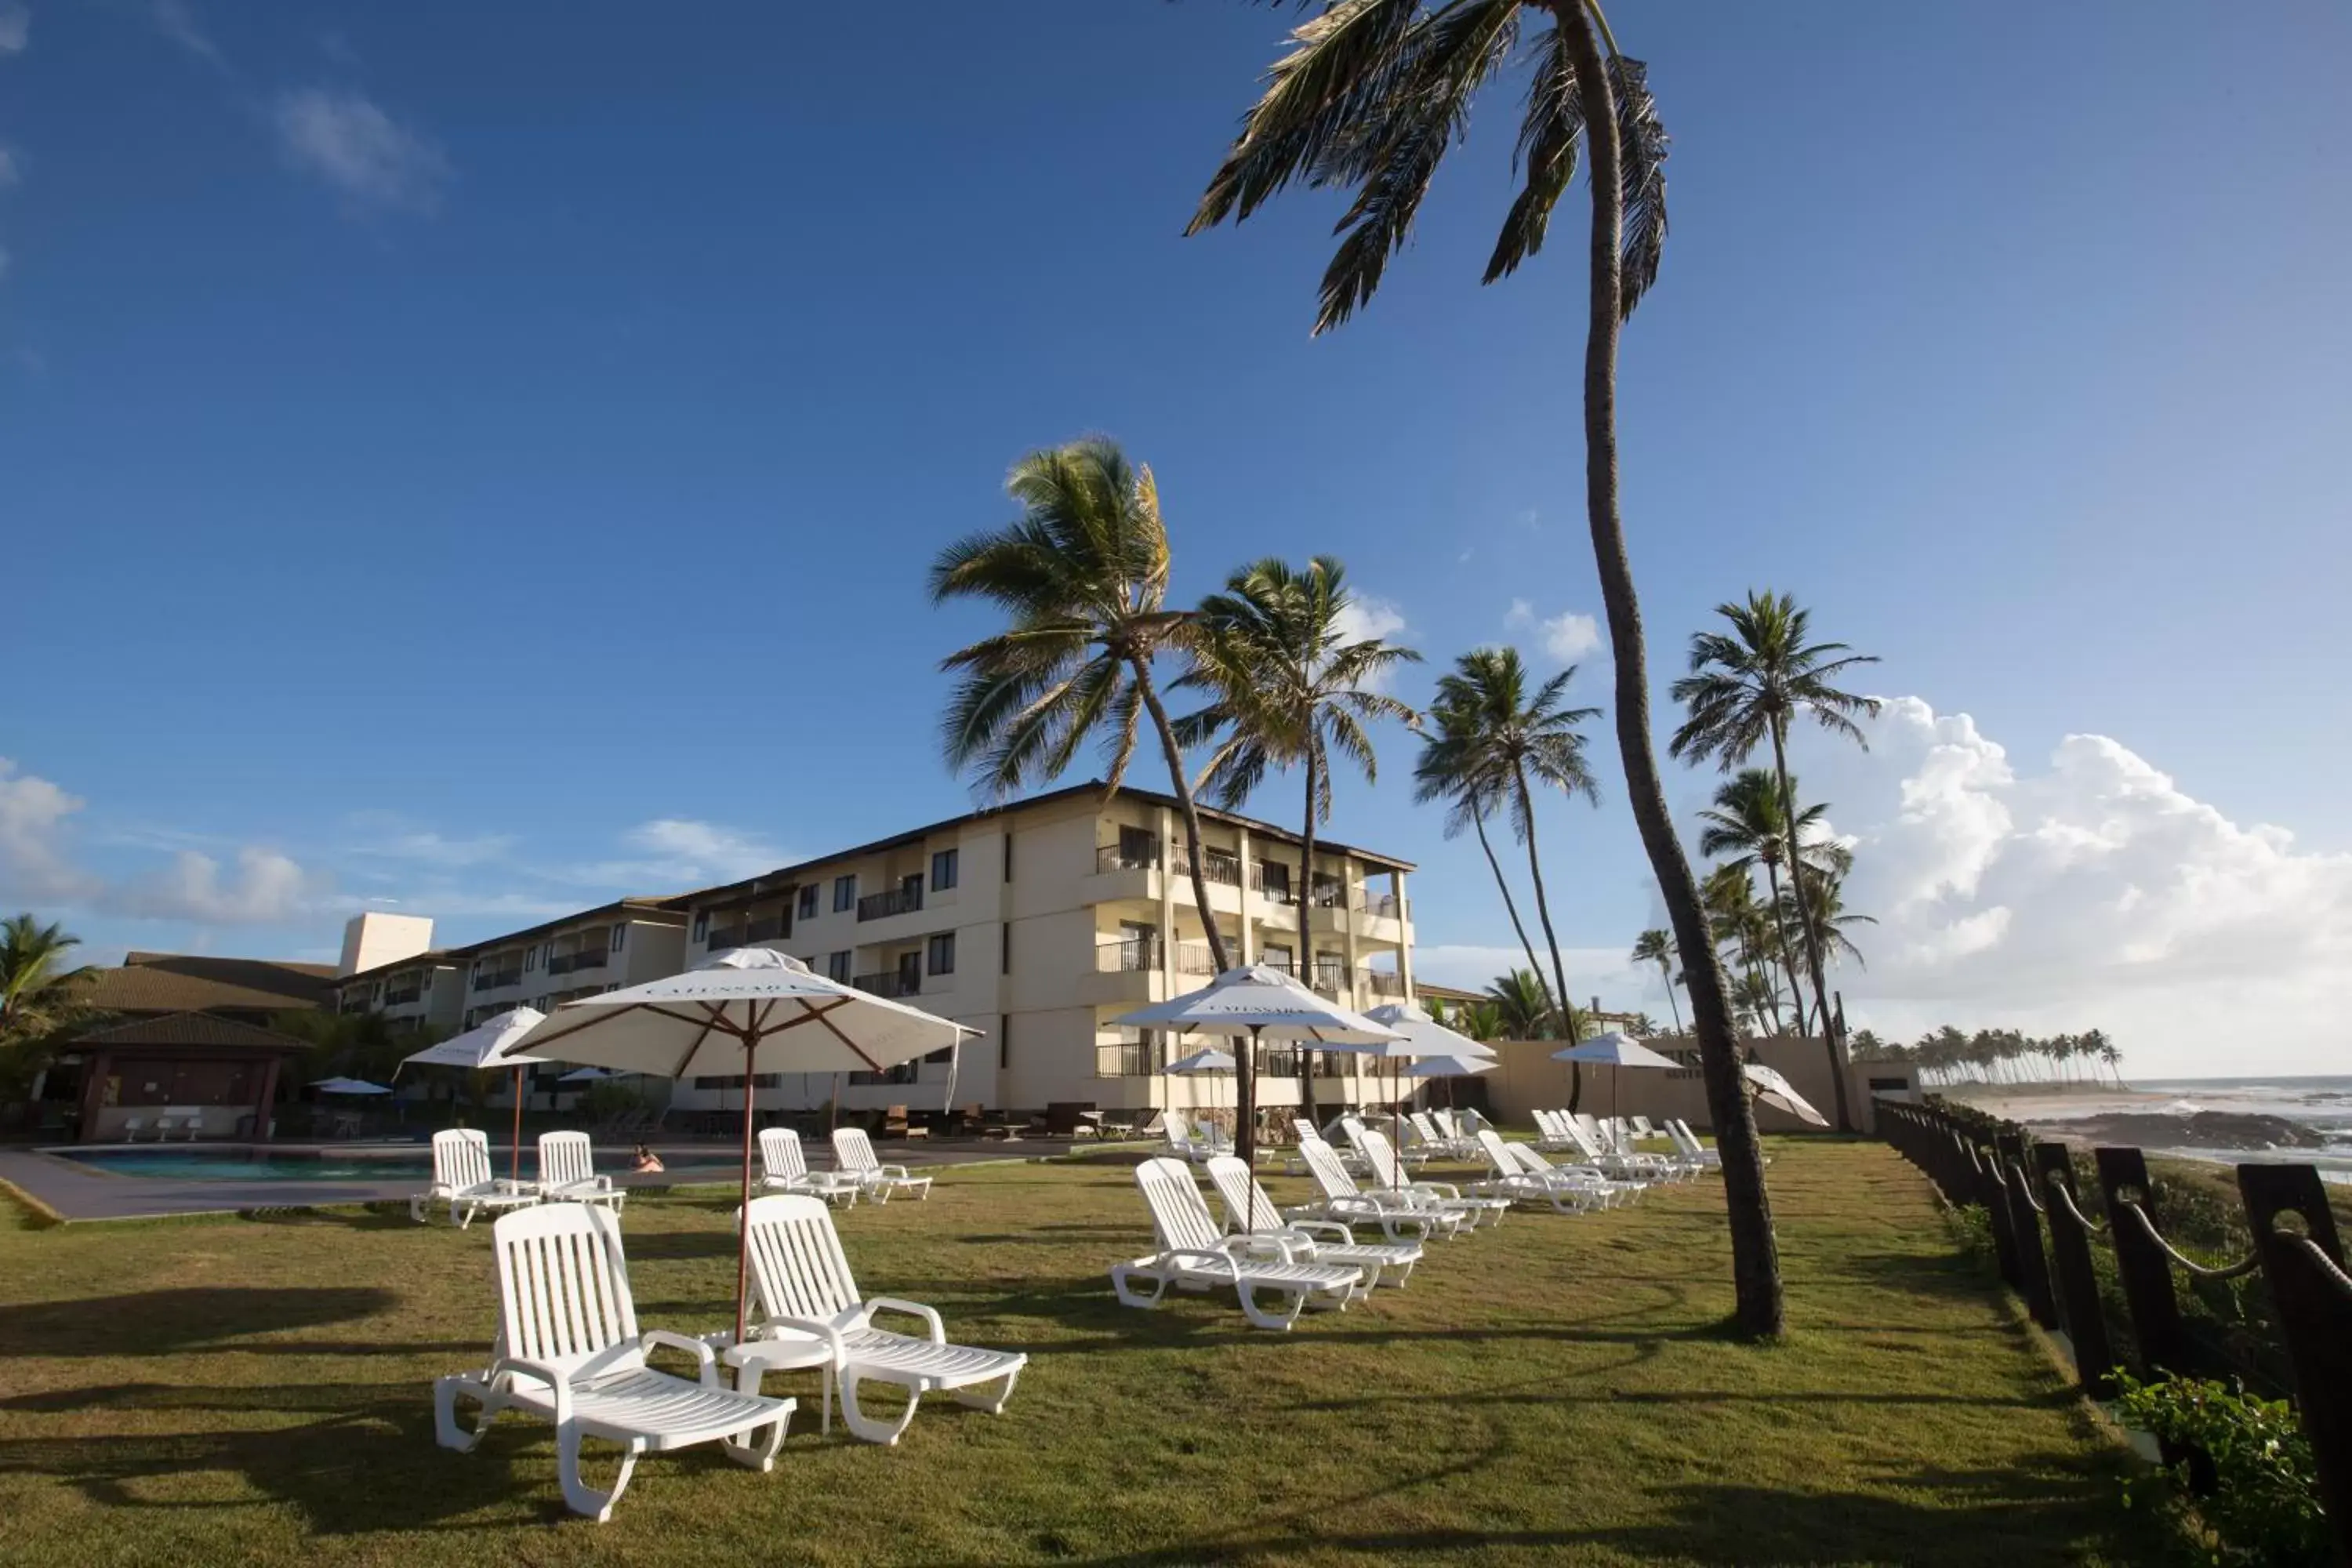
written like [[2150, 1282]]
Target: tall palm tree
[[1287, 687], [1522, 1005], [1655, 946], [1738, 923], [1744, 688], [1452, 768], [1083, 575], [40, 996], [1824, 907], [1370, 98], [1749, 822]]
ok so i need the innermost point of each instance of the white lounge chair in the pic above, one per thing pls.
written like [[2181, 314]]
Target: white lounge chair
[[784, 1164], [1587, 1186], [567, 1172], [1615, 1166], [1380, 1157], [1193, 1256], [805, 1288], [569, 1351], [1506, 1179], [1687, 1144], [1401, 1215], [1248, 1210], [852, 1156], [462, 1179]]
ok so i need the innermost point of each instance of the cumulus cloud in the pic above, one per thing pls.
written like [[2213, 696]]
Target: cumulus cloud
[[15, 28], [1365, 616], [438, 849], [34, 866], [2090, 891], [670, 854], [1567, 637], [177, 21], [342, 138], [267, 889]]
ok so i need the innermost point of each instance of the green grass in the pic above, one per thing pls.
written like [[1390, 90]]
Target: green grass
[[257, 1389]]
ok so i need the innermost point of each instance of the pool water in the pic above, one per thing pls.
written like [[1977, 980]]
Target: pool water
[[247, 1165]]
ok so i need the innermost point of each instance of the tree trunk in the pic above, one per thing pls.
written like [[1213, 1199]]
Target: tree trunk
[[1305, 926], [1246, 1066], [1829, 1041], [1755, 1254], [1511, 906], [1781, 941], [1565, 1020]]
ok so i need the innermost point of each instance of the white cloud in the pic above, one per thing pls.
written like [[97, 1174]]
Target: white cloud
[[376, 163], [1367, 616], [15, 27], [177, 22], [2092, 892], [434, 850], [267, 889], [1567, 637], [12, 170], [673, 854], [33, 866]]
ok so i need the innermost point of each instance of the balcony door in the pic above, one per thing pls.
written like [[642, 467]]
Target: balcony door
[[910, 971]]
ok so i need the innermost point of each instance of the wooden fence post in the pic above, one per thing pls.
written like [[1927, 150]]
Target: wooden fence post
[[2315, 1307], [2025, 1223], [2157, 1332], [2078, 1283]]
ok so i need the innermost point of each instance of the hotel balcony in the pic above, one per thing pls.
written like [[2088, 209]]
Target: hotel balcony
[[497, 979], [889, 983], [569, 963], [899, 900]]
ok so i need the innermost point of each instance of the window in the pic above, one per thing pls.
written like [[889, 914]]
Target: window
[[845, 894], [1008, 854], [1274, 955], [808, 903], [531, 958], [836, 966], [701, 924], [902, 1073], [943, 869], [941, 959], [1005, 947], [620, 934], [1137, 847], [1273, 881], [944, 1054]]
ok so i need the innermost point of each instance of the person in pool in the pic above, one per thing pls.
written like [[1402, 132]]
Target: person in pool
[[647, 1160]]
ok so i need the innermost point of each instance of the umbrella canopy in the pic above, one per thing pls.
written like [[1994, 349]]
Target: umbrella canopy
[[1614, 1051], [349, 1086], [1424, 1034], [1451, 1066], [1207, 1061], [1778, 1093], [1259, 1001], [590, 1075], [747, 1008], [486, 1044]]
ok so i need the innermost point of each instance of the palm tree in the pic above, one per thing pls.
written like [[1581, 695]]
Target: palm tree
[[39, 997], [1371, 97], [1083, 574], [1522, 1006], [1287, 686], [1824, 906], [1657, 947], [1743, 689], [1749, 822], [1451, 768], [1740, 922]]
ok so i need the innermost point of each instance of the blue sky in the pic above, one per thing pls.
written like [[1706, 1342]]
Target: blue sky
[[486, 460]]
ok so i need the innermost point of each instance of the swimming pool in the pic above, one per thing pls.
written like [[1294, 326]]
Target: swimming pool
[[259, 1166]]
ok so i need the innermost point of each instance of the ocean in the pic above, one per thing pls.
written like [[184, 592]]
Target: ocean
[[2322, 1103]]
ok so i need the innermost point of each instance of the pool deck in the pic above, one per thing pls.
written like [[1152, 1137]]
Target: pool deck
[[77, 1192]]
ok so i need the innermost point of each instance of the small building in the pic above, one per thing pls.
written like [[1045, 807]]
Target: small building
[[212, 1077]]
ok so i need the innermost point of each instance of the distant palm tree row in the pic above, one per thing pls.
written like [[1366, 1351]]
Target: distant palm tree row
[[1945, 1055]]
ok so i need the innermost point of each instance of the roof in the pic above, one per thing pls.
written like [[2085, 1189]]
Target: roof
[[1050, 797], [192, 1030], [436, 957], [645, 906], [1448, 993], [196, 982]]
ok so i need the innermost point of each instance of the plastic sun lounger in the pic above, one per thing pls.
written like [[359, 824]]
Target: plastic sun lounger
[[1195, 1257], [1507, 1179], [852, 1156], [567, 1172], [1617, 1167], [1579, 1187], [462, 1179], [1250, 1211], [1401, 1217], [786, 1165], [1381, 1158], [805, 1288], [569, 1351], [1685, 1141]]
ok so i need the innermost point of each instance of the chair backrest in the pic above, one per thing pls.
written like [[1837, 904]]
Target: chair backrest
[[1381, 1155], [1178, 1212], [1573, 1131], [1246, 1205], [1497, 1153], [1526, 1159], [852, 1151], [1588, 1123], [1423, 1128], [796, 1258], [1304, 1128], [461, 1158], [1547, 1124], [1641, 1127], [565, 1158], [1177, 1131], [564, 1285], [1445, 1123], [1323, 1165], [781, 1154]]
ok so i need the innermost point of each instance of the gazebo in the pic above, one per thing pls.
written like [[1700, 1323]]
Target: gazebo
[[216, 1077]]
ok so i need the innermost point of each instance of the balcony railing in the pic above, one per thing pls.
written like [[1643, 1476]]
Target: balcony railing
[[1195, 958], [766, 930], [402, 998], [1128, 856], [1128, 955], [1132, 1060], [889, 983], [1381, 982], [895, 901], [1273, 881], [721, 939], [1331, 893], [1328, 983], [1381, 906], [491, 979], [1216, 866], [565, 963]]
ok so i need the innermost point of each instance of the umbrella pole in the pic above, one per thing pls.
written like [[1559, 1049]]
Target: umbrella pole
[[514, 1157], [743, 1214]]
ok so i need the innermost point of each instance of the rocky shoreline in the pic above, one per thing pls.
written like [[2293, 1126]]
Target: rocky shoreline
[[2234, 1130]]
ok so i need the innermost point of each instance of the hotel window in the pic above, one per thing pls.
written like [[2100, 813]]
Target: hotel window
[[1004, 949], [1003, 1040], [620, 934], [1008, 854], [701, 924], [529, 958], [845, 894], [808, 903], [943, 871], [836, 966], [941, 959]]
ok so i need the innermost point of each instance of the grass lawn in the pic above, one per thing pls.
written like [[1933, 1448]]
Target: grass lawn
[[258, 1390]]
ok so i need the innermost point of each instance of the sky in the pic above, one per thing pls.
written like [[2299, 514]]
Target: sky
[[477, 461]]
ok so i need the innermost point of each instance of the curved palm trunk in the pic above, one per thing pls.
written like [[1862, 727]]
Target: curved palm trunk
[[1511, 908], [1245, 1058], [1805, 928], [1755, 1255], [1305, 922], [1565, 1019]]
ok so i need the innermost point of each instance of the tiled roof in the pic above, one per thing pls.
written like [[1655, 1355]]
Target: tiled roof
[[192, 983], [198, 1029]]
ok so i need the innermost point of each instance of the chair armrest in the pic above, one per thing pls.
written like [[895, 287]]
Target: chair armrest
[[898, 1172], [1329, 1230], [1222, 1262], [817, 1327], [706, 1364], [894, 1304], [558, 1382], [1249, 1243], [1446, 1190]]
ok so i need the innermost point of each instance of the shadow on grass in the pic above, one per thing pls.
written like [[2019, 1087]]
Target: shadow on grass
[[367, 1217], [164, 1323]]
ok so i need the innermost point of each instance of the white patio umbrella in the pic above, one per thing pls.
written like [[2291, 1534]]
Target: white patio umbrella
[[1613, 1051], [590, 1075], [1778, 1093], [728, 1015], [1450, 1068], [1207, 1061], [487, 1047], [1425, 1037], [349, 1086], [1259, 1001]]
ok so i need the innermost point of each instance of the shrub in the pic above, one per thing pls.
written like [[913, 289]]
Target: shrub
[[2264, 1503]]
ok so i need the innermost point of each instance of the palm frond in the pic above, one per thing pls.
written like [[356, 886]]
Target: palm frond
[[1642, 145], [1549, 137]]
